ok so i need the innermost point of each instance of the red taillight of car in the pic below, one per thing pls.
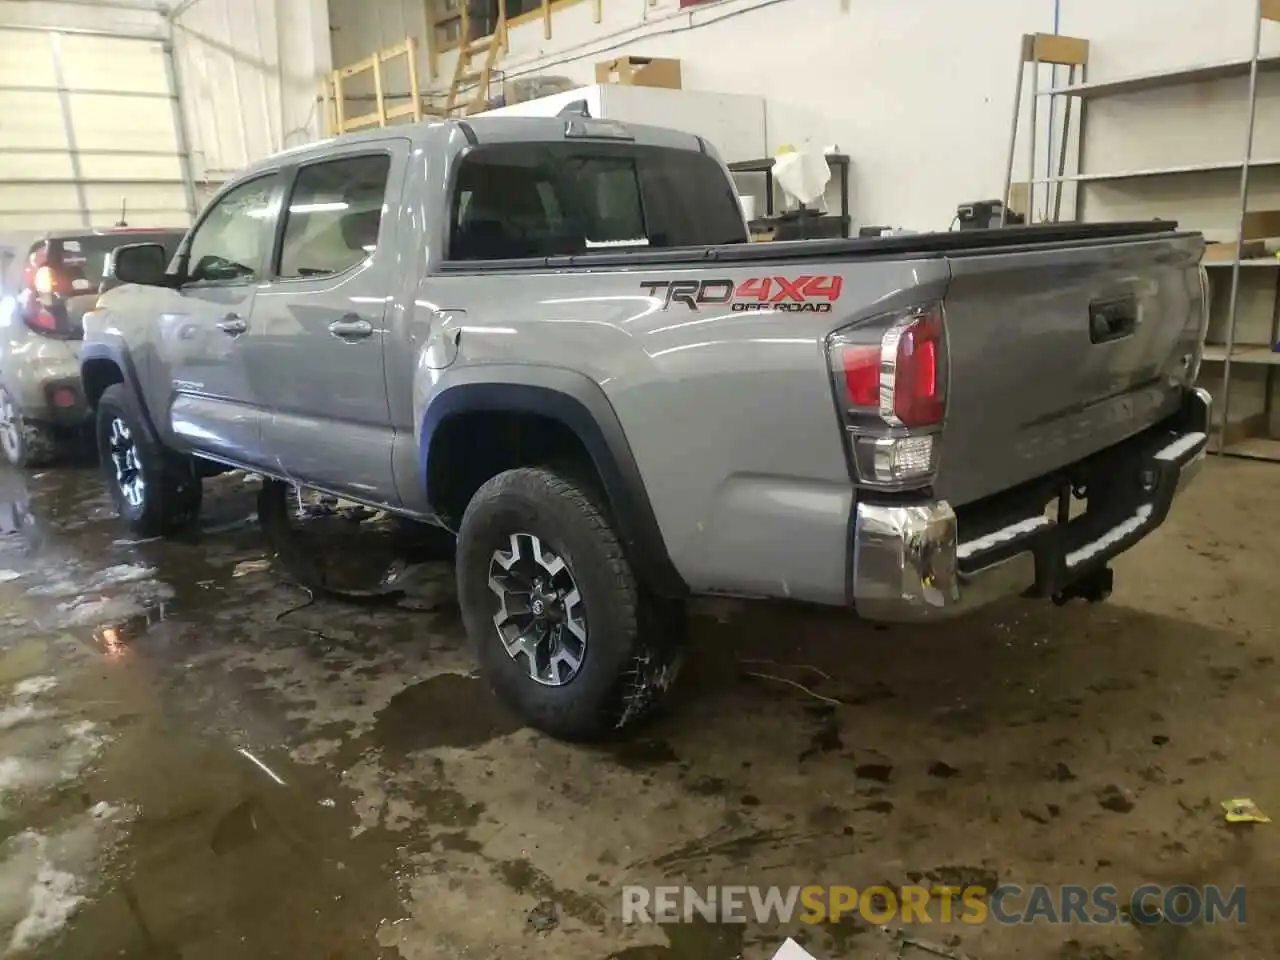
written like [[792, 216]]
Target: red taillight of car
[[63, 397], [44, 282], [861, 375], [918, 398], [900, 376], [41, 320], [890, 374]]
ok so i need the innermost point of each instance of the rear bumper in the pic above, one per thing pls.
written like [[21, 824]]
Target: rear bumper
[[919, 562]]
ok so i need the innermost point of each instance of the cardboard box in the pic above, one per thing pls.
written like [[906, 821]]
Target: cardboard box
[[1218, 252], [640, 72], [1262, 224]]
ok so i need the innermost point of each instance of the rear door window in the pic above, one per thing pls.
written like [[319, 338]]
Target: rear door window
[[517, 201], [333, 217]]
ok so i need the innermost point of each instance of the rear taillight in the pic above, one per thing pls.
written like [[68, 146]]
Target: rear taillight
[[37, 315], [918, 399], [890, 376], [41, 320], [43, 283]]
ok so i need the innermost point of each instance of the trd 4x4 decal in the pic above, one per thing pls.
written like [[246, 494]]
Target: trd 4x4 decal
[[786, 294]]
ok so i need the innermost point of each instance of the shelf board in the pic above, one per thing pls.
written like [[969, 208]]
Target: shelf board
[[1249, 262], [1244, 353], [1255, 448], [1159, 171], [1163, 79]]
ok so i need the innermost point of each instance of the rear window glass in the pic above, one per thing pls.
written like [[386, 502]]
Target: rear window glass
[[515, 201], [82, 260]]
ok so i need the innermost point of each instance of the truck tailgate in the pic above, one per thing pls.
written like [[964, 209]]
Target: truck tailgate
[[1059, 351]]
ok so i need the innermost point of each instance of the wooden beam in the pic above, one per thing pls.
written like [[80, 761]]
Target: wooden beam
[[598, 13], [1271, 9], [414, 91], [433, 65], [360, 66], [364, 120], [546, 19], [327, 101], [377, 90], [340, 112], [501, 27]]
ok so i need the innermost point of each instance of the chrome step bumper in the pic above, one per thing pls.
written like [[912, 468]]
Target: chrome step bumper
[[910, 563]]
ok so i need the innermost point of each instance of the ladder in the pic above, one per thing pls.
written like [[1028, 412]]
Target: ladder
[[469, 91]]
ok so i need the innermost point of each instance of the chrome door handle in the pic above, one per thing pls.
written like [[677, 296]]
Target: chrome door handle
[[232, 325], [351, 328]]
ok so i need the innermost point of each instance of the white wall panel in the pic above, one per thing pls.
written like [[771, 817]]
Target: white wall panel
[[247, 72], [250, 75], [87, 120], [918, 92]]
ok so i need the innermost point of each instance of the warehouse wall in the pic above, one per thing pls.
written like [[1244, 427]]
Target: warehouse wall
[[919, 92], [248, 70], [250, 74]]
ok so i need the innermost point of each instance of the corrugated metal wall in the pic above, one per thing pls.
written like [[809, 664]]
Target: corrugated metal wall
[[247, 73]]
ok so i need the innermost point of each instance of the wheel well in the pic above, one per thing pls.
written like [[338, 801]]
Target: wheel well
[[96, 376], [470, 448]]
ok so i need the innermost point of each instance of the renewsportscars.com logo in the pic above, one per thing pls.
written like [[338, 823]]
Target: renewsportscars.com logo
[[804, 294]]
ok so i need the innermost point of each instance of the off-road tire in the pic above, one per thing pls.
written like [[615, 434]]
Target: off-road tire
[[634, 641], [172, 489], [36, 444]]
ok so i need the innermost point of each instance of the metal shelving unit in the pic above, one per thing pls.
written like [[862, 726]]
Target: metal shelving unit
[[1266, 448], [1229, 348]]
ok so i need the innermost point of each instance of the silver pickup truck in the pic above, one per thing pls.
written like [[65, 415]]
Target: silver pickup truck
[[551, 337]]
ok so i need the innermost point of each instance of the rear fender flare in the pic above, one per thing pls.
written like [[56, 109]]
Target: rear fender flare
[[578, 403]]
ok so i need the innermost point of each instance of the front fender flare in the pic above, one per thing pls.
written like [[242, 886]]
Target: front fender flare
[[98, 351], [578, 403]]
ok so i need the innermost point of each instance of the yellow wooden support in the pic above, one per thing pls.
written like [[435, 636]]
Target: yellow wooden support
[[415, 92], [339, 107], [546, 19], [429, 13], [597, 13], [381, 103]]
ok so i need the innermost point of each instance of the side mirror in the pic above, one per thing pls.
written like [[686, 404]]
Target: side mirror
[[143, 263]]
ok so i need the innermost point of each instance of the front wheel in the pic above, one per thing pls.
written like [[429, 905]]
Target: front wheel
[[154, 491], [564, 634]]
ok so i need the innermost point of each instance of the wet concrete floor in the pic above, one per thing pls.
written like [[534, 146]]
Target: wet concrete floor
[[193, 766]]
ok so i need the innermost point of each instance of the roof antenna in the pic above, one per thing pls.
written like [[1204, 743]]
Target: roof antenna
[[576, 109], [122, 222]]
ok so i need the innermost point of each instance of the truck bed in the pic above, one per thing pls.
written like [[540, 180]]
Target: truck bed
[[942, 243]]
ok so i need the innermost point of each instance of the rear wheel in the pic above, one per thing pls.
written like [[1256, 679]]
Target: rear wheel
[[23, 444], [563, 632], [154, 491]]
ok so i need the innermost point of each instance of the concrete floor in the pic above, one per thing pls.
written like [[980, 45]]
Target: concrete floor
[[188, 769]]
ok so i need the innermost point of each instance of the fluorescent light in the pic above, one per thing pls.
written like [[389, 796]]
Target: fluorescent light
[[329, 207]]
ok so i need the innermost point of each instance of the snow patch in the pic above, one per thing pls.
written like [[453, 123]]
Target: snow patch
[[11, 717], [34, 686], [54, 897]]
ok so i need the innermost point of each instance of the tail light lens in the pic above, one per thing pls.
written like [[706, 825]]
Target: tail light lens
[[43, 283], [37, 315], [41, 320], [917, 377], [890, 376]]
